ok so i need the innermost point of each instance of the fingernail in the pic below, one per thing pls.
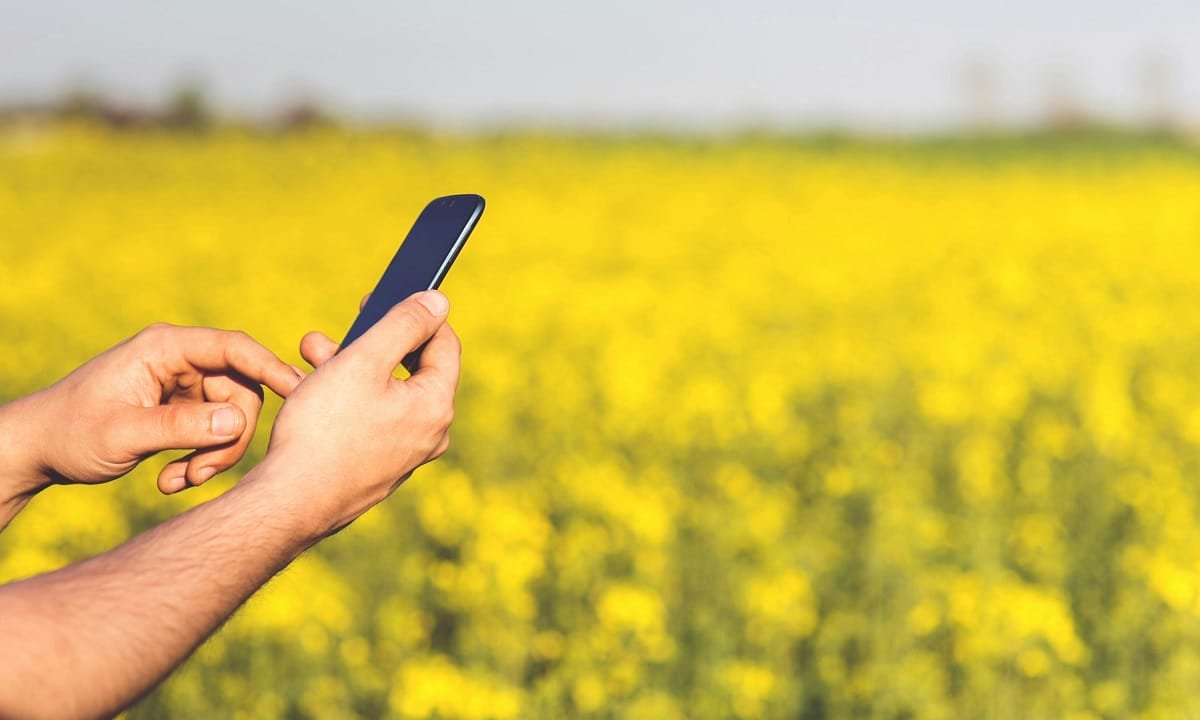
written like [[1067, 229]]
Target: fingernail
[[203, 474], [435, 302], [225, 422]]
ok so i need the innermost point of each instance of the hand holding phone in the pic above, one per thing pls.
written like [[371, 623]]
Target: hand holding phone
[[422, 261], [351, 432]]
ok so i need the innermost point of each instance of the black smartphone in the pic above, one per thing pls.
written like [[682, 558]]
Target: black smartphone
[[422, 261]]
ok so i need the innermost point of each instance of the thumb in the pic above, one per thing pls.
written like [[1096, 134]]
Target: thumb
[[184, 426], [406, 327]]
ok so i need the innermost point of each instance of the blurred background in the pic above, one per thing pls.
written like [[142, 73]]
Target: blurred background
[[821, 360], [930, 66]]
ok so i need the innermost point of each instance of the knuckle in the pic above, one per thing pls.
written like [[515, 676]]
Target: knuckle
[[155, 331], [238, 339], [442, 446], [442, 416], [168, 424], [415, 305], [407, 319], [176, 424]]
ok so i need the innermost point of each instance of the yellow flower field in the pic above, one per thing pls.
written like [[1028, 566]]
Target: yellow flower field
[[747, 429]]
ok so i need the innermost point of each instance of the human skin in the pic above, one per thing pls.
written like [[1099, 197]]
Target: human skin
[[165, 388], [91, 638]]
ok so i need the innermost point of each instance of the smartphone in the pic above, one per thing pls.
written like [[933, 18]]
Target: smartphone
[[422, 261]]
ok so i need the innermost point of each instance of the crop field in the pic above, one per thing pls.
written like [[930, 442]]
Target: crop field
[[755, 428]]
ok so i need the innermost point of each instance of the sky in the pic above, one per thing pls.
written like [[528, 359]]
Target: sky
[[866, 64]]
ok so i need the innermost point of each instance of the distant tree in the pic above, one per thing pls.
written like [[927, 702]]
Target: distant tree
[[81, 102], [188, 107], [303, 114], [1063, 107]]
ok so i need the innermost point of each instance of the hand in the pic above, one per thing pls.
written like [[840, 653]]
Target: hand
[[352, 432], [165, 388]]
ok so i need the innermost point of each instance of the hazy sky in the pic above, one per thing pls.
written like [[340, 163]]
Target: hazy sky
[[867, 63]]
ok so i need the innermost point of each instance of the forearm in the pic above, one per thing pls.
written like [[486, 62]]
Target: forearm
[[90, 639]]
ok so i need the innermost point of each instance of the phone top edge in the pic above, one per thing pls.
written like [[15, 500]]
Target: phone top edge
[[459, 243], [453, 202]]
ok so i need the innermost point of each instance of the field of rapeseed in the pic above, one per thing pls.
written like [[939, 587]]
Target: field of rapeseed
[[746, 429]]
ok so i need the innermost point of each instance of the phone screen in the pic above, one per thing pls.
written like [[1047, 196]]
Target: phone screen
[[423, 259]]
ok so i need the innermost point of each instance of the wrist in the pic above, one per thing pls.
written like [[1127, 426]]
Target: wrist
[[23, 470], [273, 488]]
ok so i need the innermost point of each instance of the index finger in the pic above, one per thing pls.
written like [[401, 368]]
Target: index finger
[[214, 350], [441, 361]]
